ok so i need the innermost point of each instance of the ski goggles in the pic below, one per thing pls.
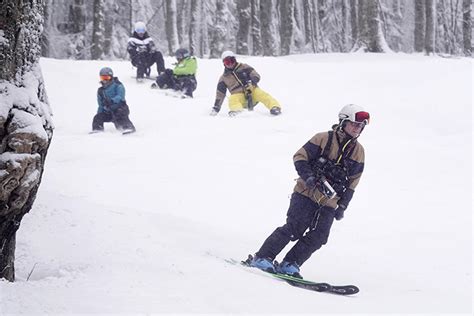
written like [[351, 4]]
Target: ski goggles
[[362, 117], [140, 31], [229, 61], [105, 78]]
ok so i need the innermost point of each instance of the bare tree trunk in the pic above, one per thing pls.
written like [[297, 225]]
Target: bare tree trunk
[[257, 48], [195, 28], [467, 27], [420, 23], [204, 45], [397, 40], [430, 26], [287, 25], [45, 37], [307, 14], [171, 26], [354, 21], [344, 25], [243, 13], [97, 49], [316, 26], [181, 21], [269, 40], [25, 129]]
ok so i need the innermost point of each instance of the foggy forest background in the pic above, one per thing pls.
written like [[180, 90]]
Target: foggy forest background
[[99, 29]]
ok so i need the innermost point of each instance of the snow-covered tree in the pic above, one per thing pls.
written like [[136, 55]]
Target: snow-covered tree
[[25, 120], [244, 18], [219, 29], [354, 21], [269, 27], [420, 23], [371, 37], [287, 25], [430, 18], [255, 31], [467, 27], [171, 26], [181, 19], [195, 28], [98, 30]]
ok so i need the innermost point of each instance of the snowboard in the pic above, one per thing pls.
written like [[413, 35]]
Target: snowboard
[[303, 283]]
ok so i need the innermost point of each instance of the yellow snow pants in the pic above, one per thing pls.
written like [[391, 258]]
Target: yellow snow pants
[[237, 101]]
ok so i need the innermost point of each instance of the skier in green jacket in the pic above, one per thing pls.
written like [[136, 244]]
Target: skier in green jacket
[[182, 77]]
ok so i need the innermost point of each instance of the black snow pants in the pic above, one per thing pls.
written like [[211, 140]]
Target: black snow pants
[[119, 117], [302, 214], [143, 62], [187, 83]]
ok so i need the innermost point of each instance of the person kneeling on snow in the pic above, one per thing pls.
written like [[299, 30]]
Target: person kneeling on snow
[[241, 80], [143, 52], [182, 77], [329, 166], [112, 105]]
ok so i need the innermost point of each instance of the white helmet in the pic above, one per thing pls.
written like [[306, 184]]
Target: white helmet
[[353, 113], [226, 54], [140, 28]]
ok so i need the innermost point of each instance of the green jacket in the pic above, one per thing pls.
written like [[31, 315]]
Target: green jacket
[[186, 67]]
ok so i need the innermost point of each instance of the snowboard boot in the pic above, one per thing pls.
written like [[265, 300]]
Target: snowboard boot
[[234, 113], [264, 264], [289, 268], [140, 74], [275, 110]]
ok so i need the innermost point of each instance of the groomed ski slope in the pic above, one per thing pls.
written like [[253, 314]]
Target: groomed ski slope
[[143, 223]]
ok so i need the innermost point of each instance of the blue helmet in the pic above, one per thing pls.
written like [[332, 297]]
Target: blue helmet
[[106, 71]]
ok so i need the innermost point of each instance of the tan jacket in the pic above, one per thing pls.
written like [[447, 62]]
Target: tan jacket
[[352, 158], [234, 80]]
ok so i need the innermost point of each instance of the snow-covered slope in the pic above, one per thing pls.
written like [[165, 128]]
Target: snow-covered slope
[[143, 223]]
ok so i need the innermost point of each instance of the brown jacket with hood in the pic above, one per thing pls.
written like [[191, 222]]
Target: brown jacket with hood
[[234, 80], [343, 150]]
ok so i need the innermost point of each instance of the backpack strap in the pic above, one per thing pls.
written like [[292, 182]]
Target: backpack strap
[[327, 148]]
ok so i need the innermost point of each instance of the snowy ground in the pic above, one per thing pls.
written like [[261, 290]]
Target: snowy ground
[[143, 223]]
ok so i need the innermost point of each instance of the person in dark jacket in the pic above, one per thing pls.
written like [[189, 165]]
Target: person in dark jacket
[[329, 166], [112, 104], [182, 77], [242, 82], [143, 52]]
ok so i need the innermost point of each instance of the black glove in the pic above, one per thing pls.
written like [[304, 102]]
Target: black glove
[[339, 213], [311, 182], [107, 104], [169, 72]]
